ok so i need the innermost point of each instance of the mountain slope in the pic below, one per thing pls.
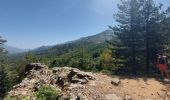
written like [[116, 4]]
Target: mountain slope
[[98, 38], [41, 49]]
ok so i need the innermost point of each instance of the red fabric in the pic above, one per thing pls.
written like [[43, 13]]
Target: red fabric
[[162, 67]]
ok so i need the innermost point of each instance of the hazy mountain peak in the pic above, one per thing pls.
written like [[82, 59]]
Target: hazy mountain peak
[[13, 50]]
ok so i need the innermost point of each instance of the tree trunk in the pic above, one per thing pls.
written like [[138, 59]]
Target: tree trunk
[[133, 54], [147, 40]]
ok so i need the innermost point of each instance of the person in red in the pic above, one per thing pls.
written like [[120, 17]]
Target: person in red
[[162, 65]]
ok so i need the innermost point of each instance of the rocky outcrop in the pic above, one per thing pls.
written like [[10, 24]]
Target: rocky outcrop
[[64, 78]]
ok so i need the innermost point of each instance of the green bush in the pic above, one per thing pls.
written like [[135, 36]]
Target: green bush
[[46, 93], [16, 98]]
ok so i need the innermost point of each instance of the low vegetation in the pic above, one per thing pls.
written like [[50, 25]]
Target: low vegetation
[[46, 93]]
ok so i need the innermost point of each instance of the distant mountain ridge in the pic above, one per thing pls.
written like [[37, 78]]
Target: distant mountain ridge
[[98, 40], [93, 40], [14, 50]]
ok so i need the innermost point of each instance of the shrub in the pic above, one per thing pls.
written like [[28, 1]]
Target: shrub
[[15, 98], [46, 93]]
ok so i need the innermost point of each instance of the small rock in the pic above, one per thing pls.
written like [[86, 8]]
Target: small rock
[[74, 98], [166, 80], [166, 98], [81, 81], [161, 94], [128, 97], [115, 81], [147, 84], [92, 83], [143, 87], [164, 89], [112, 97], [56, 69], [168, 93], [82, 97], [72, 86]]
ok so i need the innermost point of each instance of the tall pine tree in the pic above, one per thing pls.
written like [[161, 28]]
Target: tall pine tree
[[2, 50], [128, 29], [143, 31], [150, 25]]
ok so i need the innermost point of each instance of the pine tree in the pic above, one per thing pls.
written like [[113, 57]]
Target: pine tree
[[128, 29], [83, 59], [114, 49], [151, 16], [2, 50], [142, 27], [2, 41]]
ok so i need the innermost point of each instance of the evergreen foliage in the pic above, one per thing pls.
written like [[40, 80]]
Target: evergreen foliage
[[142, 31], [2, 61]]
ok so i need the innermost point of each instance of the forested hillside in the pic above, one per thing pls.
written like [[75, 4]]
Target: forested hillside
[[85, 52]]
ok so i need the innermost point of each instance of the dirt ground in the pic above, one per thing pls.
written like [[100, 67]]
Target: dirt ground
[[131, 88], [92, 86]]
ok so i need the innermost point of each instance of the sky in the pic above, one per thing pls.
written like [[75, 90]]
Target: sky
[[28, 24]]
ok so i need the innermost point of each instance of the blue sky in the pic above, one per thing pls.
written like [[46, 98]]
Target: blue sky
[[33, 23]]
